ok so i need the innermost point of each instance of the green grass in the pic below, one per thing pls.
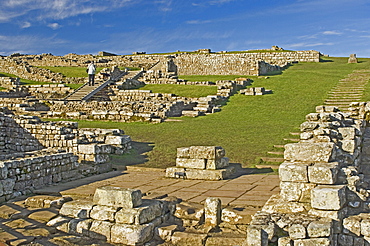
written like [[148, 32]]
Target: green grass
[[182, 90], [248, 126], [24, 81]]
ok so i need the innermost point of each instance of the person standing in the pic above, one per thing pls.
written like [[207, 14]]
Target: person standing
[[91, 68]]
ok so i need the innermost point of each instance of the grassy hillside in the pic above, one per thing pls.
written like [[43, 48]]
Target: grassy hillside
[[248, 126]]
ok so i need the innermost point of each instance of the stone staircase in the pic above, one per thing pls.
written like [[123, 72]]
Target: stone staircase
[[348, 90], [86, 91]]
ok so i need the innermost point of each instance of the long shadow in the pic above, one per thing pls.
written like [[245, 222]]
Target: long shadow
[[137, 155], [241, 171]]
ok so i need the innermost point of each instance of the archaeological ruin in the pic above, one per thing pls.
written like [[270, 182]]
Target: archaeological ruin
[[323, 195]]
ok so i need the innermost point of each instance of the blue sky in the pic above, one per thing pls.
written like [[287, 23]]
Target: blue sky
[[333, 27]]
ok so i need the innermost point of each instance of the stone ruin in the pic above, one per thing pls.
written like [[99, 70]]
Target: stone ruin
[[120, 215], [201, 162], [324, 182], [352, 58], [35, 153]]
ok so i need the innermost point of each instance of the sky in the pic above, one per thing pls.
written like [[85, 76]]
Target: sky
[[60, 27]]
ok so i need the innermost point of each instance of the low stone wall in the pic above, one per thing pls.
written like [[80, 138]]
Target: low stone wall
[[325, 193], [21, 176], [9, 83], [49, 91]]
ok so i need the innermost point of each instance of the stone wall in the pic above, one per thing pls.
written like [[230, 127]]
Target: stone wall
[[9, 83], [21, 176], [325, 192], [49, 91]]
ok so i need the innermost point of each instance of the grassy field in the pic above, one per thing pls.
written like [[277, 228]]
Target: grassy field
[[248, 126]]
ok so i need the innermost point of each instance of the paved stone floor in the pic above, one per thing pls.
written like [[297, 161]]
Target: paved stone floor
[[244, 189]]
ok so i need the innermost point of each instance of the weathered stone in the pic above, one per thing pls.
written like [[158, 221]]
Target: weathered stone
[[102, 213], [117, 140], [191, 163], [312, 242], [188, 239], [212, 211], [118, 197], [320, 228], [206, 152], [296, 192], [131, 234], [310, 152], [236, 216], [100, 230], [323, 173], [165, 232], [77, 209], [146, 212], [217, 163], [297, 231], [285, 241], [328, 197], [256, 236], [352, 224], [219, 174], [294, 172], [365, 227]]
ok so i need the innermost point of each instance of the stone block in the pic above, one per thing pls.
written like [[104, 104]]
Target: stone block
[[145, 213], [173, 172], [312, 242], [100, 230], [189, 211], [87, 149], [320, 228], [285, 241], [352, 224], [345, 240], [297, 231], [60, 223], [332, 214], [323, 173], [348, 133], [117, 197], [132, 234], [311, 152], [328, 197], [218, 163], [365, 227], [293, 172], [206, 152], [219, 174], [296, 192], [256, 236], [188, 239], [117, 140], [349, 146], [212, 211], [165, 232], [79, 226], [102, 213], [191, 163], [77, 209], [183, 152]]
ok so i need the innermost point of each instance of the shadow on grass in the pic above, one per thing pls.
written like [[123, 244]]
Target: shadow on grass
[[137, 155]]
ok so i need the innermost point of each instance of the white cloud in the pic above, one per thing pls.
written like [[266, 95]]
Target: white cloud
[[25, 24], [55, 9], [213, 2], [54, 26], [196, 22], [331, 33], [164, 5]]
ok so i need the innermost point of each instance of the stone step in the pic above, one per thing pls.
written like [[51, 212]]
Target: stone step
[[292, 139], [273, 166], [275, 153], [272, 159], [279, 146]]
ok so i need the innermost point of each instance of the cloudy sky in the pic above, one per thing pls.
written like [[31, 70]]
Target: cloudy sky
[[333, 27]]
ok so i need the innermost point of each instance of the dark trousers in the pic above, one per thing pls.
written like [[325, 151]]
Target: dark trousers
[[91, 79]]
